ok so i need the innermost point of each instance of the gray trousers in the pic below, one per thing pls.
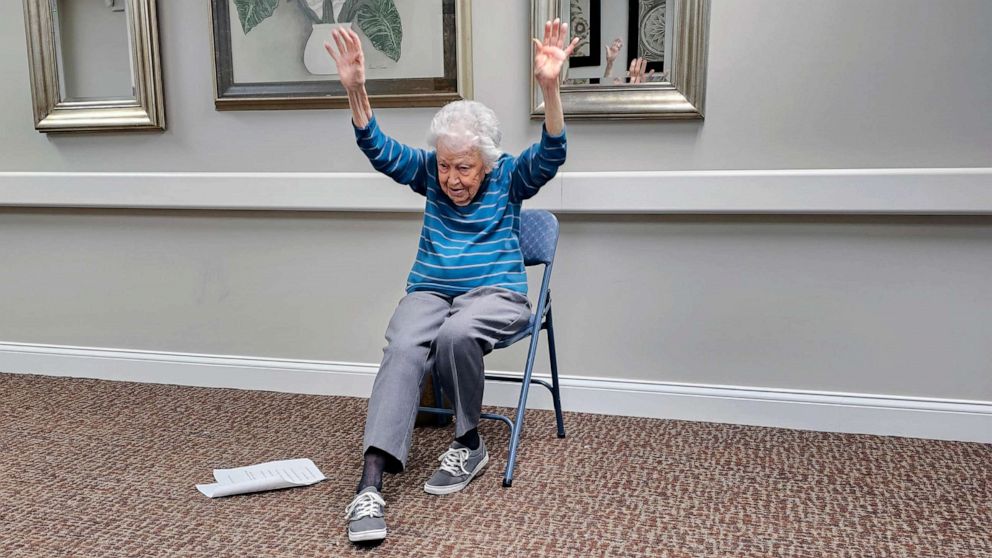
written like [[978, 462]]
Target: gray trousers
[[450, 335]]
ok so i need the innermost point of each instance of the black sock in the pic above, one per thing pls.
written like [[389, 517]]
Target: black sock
[[470, 439], [375, 463]]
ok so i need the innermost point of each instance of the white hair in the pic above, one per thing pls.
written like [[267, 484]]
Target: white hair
[[468, 123]]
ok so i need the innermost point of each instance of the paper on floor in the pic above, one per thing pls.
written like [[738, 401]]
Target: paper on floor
[[272, 475]]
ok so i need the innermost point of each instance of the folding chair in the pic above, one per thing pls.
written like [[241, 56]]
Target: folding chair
[[538, 241]]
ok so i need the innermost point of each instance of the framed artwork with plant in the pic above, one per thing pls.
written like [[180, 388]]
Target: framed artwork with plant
[[269, 54]]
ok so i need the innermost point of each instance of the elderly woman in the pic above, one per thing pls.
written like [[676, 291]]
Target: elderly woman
[[468, 288]]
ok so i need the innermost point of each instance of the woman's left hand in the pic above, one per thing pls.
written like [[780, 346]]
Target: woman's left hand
[[551, 54]]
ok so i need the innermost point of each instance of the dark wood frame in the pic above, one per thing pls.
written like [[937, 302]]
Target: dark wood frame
[[409, 92]]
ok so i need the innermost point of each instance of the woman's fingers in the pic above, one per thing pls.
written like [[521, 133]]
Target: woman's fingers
[[638, 67], [571, 46], [339, 40], [330, 50], [355, 40], [554, 36], [634, 72]]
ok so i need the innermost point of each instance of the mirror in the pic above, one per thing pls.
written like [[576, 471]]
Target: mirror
[[94, 65], [91, 50], [636, 59]]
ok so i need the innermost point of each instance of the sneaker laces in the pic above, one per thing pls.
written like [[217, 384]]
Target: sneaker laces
[[453, 461], [366, 504]]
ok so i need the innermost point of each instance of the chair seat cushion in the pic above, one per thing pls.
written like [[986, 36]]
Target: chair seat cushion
[[524, 332]]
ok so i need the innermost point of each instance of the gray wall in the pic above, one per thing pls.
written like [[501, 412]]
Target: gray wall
[[792, 84], [893, 305]]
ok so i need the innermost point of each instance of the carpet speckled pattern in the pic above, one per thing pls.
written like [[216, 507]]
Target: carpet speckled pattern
[[97, 468]]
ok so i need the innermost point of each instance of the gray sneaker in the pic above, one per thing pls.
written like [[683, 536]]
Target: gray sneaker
[[366, 519], [459, 466]]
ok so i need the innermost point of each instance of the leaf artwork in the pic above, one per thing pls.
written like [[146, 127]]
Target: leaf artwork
[[318, 8], [252, 12], [380, 21], [349, 10]]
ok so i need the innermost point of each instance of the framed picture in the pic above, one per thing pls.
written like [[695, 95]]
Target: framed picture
[[269, 54], [646, 33], [677, 32], [585, 22], [113, 84]]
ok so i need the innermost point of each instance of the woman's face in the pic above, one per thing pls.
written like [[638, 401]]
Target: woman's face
[[460, 171]]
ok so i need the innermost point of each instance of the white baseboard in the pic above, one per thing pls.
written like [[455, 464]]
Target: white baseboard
[[928, 191], [822, 411]]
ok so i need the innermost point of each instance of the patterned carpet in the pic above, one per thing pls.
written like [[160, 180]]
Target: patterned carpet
[[96, 468]]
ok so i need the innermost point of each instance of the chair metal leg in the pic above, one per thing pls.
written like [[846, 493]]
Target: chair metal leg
[[555, 391], [518, 425]]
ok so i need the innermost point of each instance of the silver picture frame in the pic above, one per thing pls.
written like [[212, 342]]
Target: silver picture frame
[[53, 112], [681, 96]]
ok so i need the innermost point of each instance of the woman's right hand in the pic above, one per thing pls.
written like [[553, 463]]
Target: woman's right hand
[[613, 49], [638, 73], [349, 58]]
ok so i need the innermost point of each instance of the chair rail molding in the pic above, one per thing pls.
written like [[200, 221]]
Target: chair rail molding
[[906, 191]]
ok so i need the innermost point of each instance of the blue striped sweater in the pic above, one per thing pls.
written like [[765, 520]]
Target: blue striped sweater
[[477, 245]]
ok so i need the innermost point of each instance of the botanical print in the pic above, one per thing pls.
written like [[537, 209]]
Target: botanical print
[[276, 41], [379, 20], [269, 54]]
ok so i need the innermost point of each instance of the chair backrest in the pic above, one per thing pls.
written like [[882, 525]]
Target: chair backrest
[[538, 236]]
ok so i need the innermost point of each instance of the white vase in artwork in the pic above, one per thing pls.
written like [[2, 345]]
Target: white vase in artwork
[[315, 57]]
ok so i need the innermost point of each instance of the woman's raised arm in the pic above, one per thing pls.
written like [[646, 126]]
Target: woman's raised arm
[[351, 71], [549, 57]]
